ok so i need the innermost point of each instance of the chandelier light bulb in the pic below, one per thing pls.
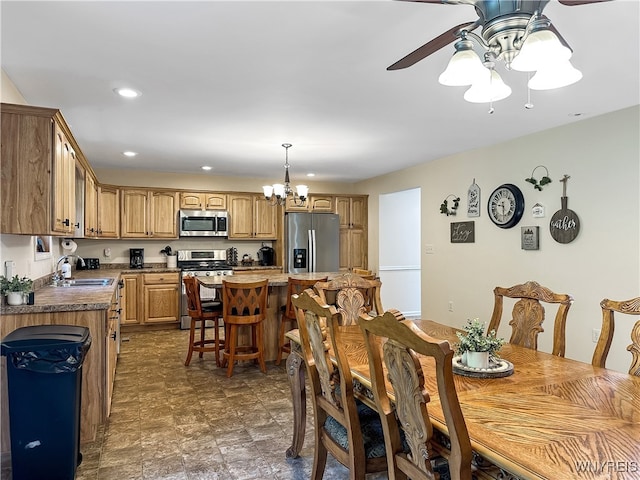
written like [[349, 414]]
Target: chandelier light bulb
[[463, 68], [268, 191], [555, 75]]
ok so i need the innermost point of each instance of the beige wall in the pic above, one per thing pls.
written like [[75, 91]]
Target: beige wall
[[602, 157]]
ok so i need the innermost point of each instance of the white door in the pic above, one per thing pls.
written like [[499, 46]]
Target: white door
[[399, 251]]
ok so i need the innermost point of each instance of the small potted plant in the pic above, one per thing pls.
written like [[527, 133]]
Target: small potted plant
[[15, 288], [475, 347]]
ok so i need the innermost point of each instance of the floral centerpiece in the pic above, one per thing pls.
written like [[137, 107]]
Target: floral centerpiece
[[15, 288], [473, 341]]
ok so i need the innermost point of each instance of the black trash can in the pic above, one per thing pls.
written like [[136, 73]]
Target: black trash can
[[44, 379]]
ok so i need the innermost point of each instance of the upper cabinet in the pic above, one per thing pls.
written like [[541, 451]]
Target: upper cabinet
[[353, 231], [315, 203], [203, 201], [37, 172], [148, 214], [252, 217], [108, 211], [352, 211], [90, 207]]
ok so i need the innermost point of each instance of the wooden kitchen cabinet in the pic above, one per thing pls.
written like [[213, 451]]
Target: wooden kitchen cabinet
[[37, 171], [111, 347], [90, 207], [148, 214], [63, 207], [108, 212], [161, 297], [97, 367], [203, 201], [353, 231], [130, 300], [252, 217], [315, 203]]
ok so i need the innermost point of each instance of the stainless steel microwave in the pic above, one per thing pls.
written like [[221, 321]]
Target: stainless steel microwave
[[203, 223]]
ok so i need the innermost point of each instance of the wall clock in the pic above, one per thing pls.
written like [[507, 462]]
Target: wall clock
[[506, 206]]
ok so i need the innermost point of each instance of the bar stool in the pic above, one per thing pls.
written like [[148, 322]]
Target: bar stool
[[244, 304], [288, 314], [201, 312]]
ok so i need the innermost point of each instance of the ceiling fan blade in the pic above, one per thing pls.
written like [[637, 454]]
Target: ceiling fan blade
[[432, 46], [571, 3]]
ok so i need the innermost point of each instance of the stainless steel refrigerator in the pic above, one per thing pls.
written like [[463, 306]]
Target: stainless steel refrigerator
[[312, 242]]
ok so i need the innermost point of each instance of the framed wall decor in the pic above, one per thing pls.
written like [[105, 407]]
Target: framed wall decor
[[41, 247], [530, 238], [463, 232]]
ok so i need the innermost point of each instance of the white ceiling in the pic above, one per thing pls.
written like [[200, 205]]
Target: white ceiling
[[225, 83]]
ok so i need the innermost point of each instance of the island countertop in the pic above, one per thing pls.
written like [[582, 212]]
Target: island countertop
[[275, 279]]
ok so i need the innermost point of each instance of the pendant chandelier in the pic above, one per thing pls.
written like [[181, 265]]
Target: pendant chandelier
[[278, 192]]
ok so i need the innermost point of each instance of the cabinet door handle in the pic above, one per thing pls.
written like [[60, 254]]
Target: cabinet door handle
[[113, 336], [66, 222]]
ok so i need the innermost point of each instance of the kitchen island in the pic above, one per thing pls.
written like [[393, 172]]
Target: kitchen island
[[276, 299]]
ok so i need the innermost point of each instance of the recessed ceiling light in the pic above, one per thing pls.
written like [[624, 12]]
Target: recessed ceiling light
[[129, 154], [311, 174], [206, 167], [127, 92]]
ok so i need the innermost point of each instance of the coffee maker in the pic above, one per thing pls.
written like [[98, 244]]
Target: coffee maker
[[136, 257]]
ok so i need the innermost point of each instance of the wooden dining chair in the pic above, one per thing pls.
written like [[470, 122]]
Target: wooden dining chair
[[288, 314], [244, 304], [629, 307], [368, 274], [396, 342], [529, 313], [201, 312], [352, 295], [344, 427]]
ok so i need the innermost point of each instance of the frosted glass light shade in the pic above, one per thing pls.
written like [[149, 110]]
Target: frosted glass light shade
[[540, 48], [278, 189], [268, 191], [490, 89], [555, 75], [302, 190], [463, 68]]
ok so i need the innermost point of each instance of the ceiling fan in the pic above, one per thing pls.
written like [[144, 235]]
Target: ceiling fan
[[505, 27]]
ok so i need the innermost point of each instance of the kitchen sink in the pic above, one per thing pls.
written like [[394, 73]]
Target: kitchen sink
[[86, 282]]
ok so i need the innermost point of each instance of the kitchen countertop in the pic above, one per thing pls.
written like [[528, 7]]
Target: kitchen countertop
[[68, 299]]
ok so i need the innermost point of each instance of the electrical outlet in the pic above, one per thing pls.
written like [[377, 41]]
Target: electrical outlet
[[595, 335], [450, 306]]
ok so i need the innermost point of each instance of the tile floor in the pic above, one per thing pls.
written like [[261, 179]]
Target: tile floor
[[171, 422]]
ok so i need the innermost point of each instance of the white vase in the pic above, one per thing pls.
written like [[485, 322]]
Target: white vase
[[15, 298], [478, 359]]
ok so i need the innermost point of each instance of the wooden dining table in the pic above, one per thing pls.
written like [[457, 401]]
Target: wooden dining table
[[553, 418]]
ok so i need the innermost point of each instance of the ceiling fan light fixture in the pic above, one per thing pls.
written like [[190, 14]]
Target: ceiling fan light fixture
[[490, 89], [463, 68], [541, 47], [555, 75]]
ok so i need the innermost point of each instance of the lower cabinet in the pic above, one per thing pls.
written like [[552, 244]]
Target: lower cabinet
[[161, 297], [150, 298], [98, 367]]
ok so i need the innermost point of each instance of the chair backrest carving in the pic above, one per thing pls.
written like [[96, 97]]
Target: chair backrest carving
[[629, 307], [401, 340], [528, 314], [352, 296], [244, 302]]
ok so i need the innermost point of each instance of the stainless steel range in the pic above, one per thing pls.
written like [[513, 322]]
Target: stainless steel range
[[201, 263]]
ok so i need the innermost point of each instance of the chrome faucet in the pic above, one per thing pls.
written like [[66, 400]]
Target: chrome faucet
[[57, 273]]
